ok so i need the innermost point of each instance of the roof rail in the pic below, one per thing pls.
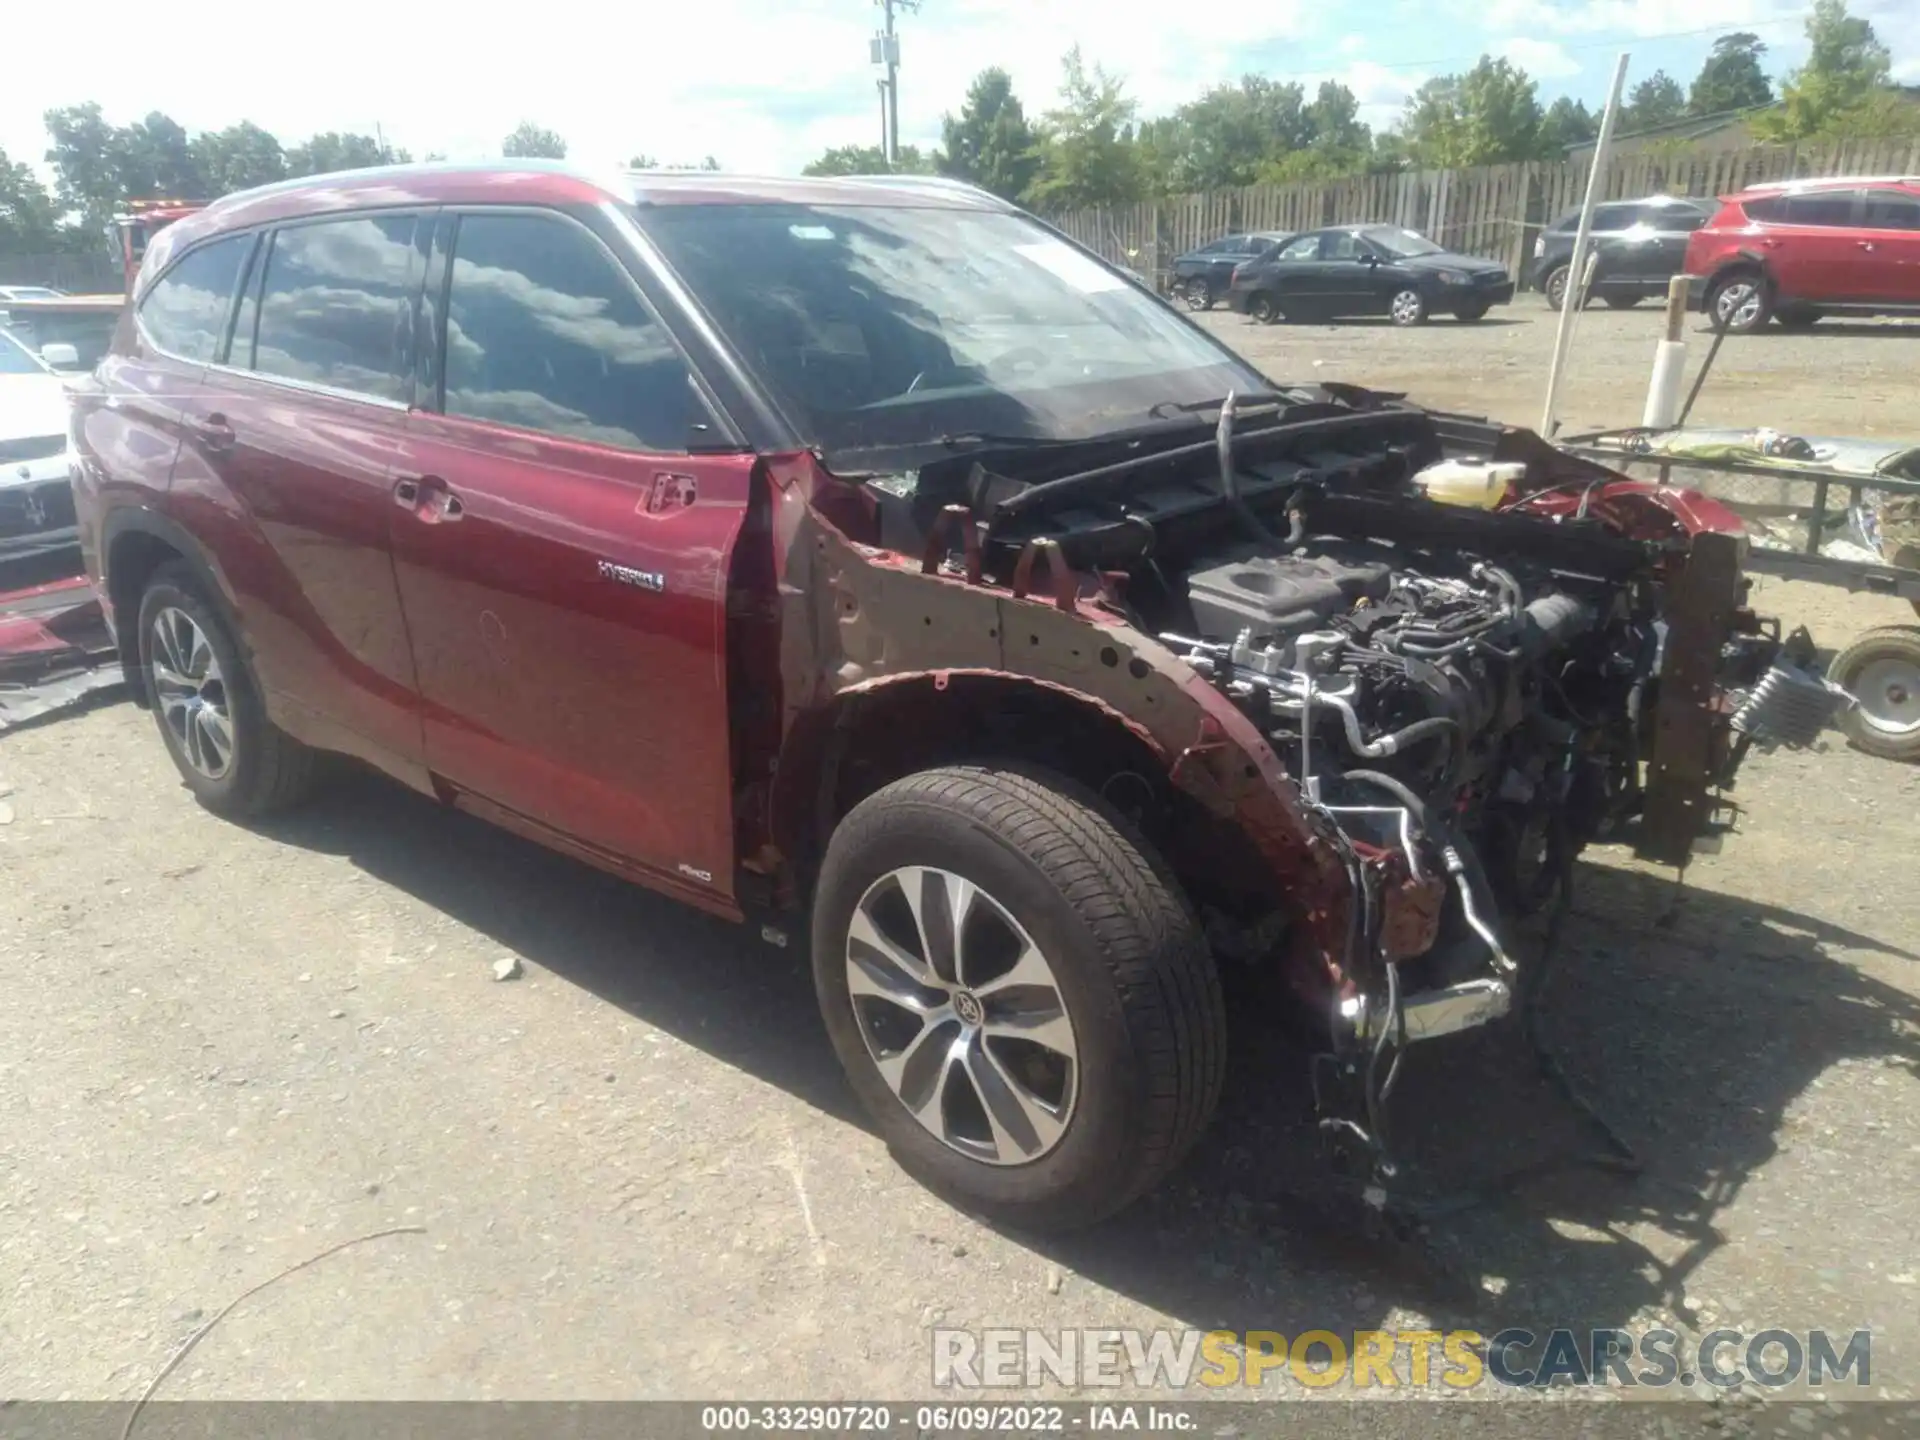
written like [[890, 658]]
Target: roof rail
[[1807, 182]]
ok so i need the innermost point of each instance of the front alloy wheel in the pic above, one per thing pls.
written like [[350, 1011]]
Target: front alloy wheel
[[1408, 307], [962, 1015]]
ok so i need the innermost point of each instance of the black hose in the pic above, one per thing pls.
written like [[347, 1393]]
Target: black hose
[[1420, 730]]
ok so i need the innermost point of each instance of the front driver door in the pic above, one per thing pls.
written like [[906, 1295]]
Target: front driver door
[[562, 554]]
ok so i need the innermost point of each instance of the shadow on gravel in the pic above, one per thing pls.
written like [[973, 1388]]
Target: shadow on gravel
[[1690, 1020]]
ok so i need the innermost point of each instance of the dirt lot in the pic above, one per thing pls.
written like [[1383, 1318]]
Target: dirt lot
[[1841, 378], [638, 1173]]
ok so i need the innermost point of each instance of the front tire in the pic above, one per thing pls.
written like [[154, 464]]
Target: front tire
[[1739, 302], [1407, 307], [1622, 302], [206, 701], [1471, 313], [1018, 993], [1881, 670]]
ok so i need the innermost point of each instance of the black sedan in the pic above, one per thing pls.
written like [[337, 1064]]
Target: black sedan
[[1201, 276], [1367, 270]]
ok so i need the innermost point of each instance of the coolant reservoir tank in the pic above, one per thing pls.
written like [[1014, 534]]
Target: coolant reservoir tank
[[1480, 484]]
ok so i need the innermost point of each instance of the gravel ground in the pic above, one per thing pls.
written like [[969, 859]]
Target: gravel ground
[[637, 1171], [1840, 378]]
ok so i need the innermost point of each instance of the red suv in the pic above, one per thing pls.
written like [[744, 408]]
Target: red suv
[[1798, 249], [866, 550]]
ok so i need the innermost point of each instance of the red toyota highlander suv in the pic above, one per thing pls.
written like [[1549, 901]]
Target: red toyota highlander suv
[[866, 550], [1797, 249]]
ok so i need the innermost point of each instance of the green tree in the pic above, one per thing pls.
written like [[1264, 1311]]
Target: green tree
[[1656, 100], [1567, 122], [333, 150], [238, 158], [85, 155], [1232, 131], [1488, 116], [1088, 155], [533, 142], [1844, 90], [990, 142], [644, 161], [1731, 78], [868, 160], [28, 224]]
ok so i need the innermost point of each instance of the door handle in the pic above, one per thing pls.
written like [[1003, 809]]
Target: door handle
[[213, 431], [444, 507]]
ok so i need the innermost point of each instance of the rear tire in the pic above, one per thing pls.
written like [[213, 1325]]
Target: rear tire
[[1555, 290], [207, 703], [1115, 970], [1199, 295], [1881, 670], [1262, 310]]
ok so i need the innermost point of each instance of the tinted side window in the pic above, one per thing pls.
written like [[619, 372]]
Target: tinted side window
[[1891, 210], [336, 307], [545, 332], [1306, 247], [1832, 208], [1766, 207], [186, 311], [1611, 219]]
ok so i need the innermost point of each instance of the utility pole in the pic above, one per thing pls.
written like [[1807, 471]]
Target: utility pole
[[885, 50]]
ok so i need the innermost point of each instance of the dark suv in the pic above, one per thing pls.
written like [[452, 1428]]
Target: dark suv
[[1795, 250], [864, 555], [1202, 276], [1638, 247]]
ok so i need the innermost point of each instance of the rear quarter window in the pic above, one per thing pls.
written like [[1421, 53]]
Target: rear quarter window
[[185, 313]]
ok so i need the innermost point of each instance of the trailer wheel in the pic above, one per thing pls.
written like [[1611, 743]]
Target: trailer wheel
[[1881, 670]]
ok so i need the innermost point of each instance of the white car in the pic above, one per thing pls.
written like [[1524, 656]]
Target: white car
[[30, 292], [36, 493]]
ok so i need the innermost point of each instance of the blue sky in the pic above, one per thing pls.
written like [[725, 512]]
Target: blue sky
[[764, 85]]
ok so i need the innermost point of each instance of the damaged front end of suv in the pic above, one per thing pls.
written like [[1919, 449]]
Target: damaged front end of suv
[[1368, 731]]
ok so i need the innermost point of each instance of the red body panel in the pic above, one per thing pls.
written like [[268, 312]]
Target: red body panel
[[292, 489], [556, 683]]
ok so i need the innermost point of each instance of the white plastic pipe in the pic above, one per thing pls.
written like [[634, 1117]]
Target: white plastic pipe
[[1582, 239], [1667, 385]]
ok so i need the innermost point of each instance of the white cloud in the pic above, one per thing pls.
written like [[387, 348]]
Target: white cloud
[[761, 84], [1542, 59], [1352, 44]]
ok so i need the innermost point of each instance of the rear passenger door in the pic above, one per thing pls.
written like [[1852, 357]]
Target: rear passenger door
[[285, 472], [1812, 251], [1888, 244], [562, 530]]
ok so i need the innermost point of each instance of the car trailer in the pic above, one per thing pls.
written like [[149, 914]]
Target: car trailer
[[1877, 533]]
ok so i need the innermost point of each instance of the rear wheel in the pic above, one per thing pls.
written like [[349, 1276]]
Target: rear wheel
[[1556, 287], [1881, 670], [207, 704], [1262, 309], [1739, 302], [1019, 995], [1199, 294]]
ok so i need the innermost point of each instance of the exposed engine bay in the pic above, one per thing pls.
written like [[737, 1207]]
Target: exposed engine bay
[[1464, 698]]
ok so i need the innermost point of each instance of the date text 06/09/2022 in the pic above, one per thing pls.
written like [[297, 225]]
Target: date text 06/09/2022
[[937, 1419]]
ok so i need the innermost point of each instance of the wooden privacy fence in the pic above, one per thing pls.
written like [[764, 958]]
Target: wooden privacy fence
[[1491, 210]]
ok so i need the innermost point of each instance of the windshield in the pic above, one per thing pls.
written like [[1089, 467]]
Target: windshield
[[1403, 242], [892, 327], [14, 359]]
